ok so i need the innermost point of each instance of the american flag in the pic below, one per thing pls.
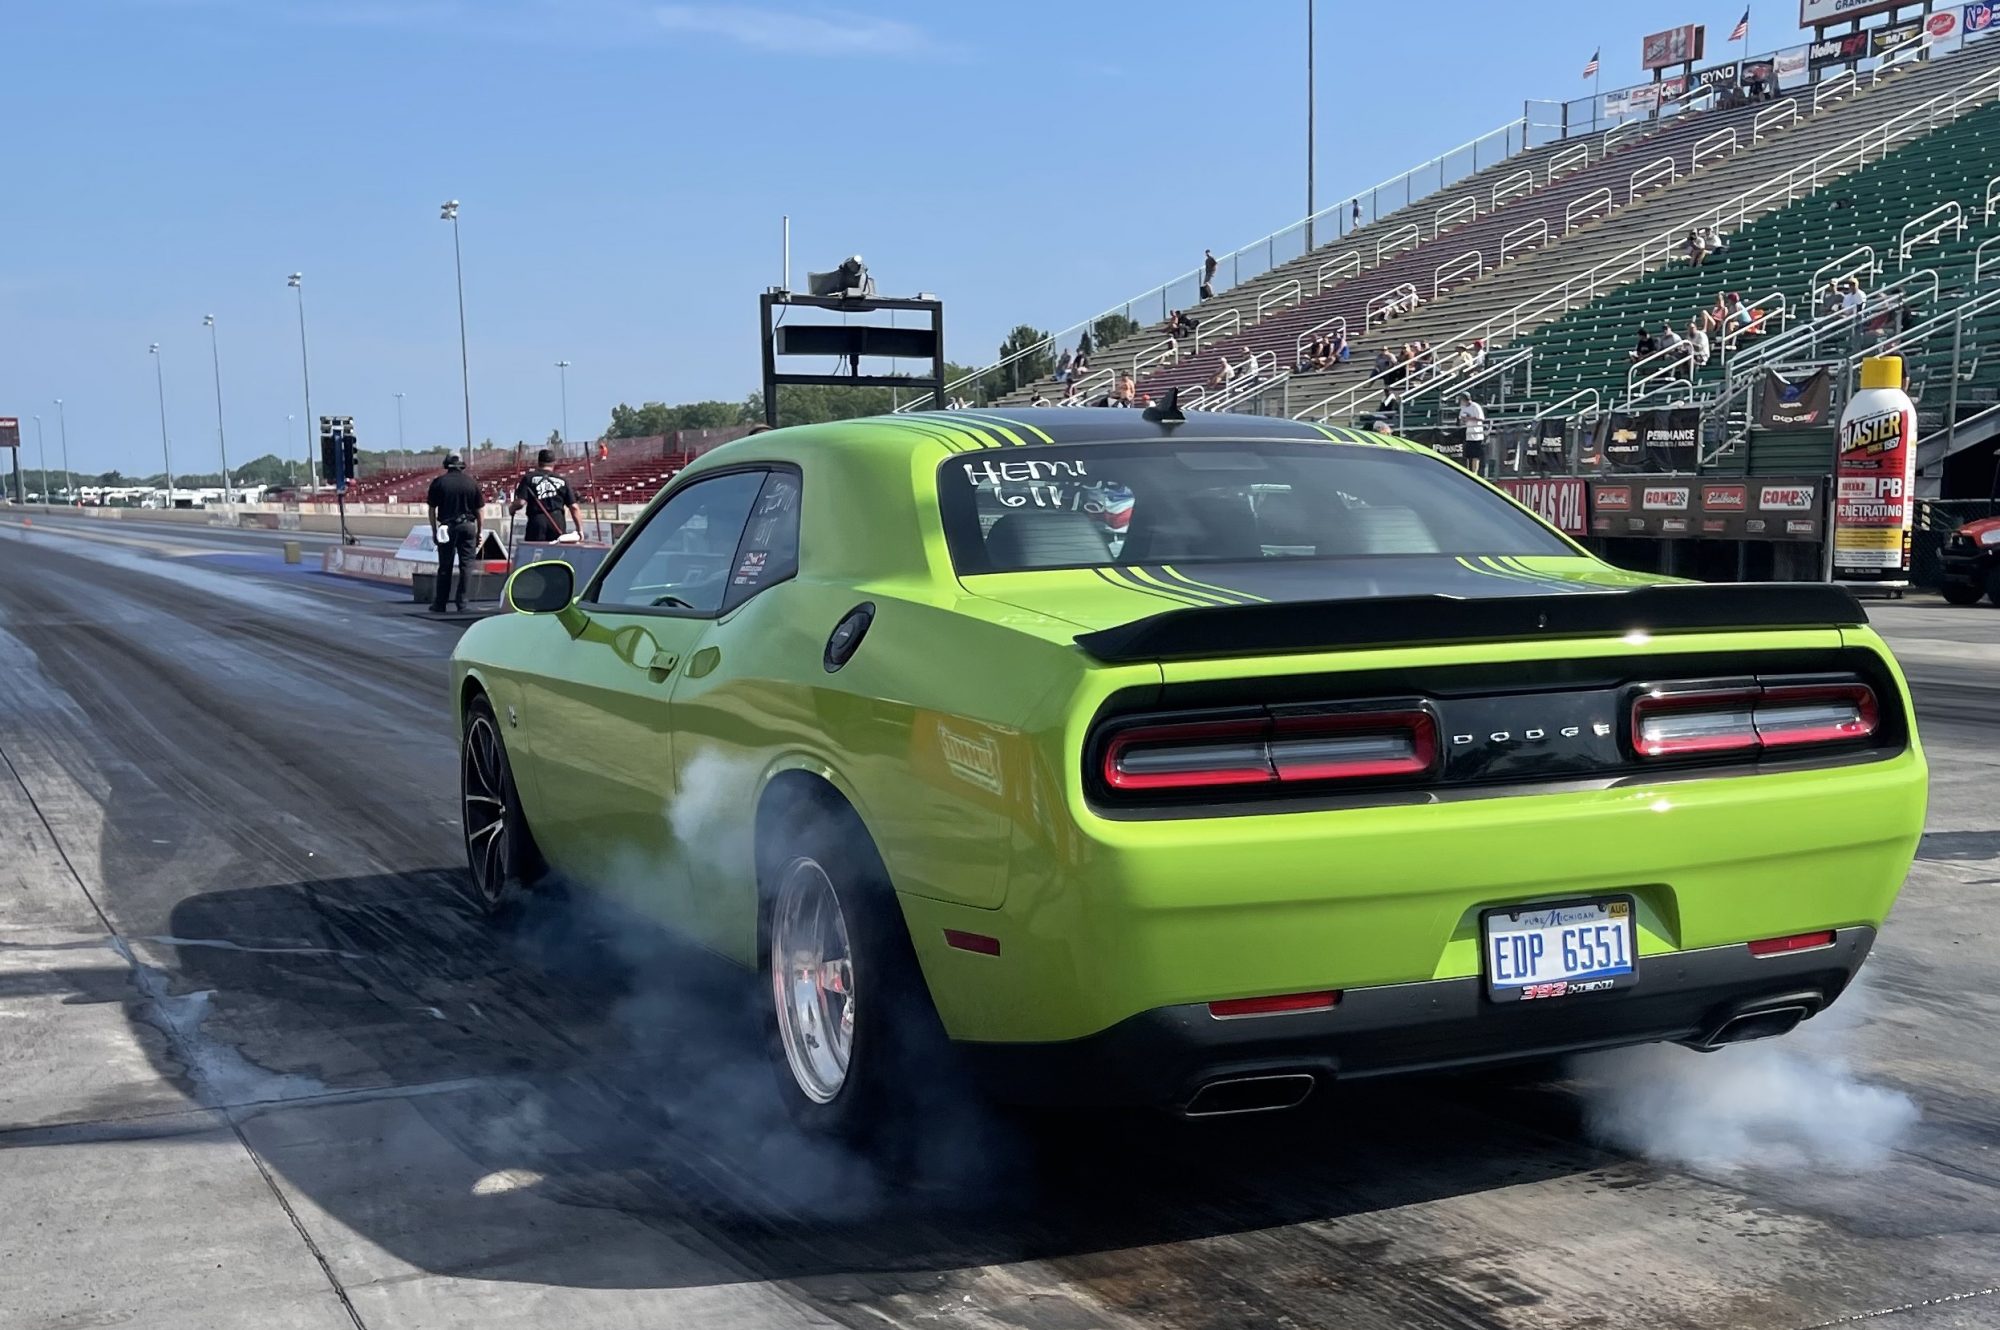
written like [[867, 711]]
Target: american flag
[[1741, 31], [1590, 70]]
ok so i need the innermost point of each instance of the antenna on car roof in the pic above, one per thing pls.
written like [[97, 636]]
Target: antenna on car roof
[[1168, 411]]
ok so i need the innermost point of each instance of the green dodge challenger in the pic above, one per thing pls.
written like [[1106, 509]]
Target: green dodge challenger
[[1191, 761]]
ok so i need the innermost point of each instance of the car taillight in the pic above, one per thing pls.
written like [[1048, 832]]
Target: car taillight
[[1698, 719], [1272, 750]]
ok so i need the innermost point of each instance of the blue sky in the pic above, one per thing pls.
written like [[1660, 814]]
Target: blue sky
[[623, 165]]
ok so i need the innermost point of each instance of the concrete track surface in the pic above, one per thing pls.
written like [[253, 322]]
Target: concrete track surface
[[261, 1066]]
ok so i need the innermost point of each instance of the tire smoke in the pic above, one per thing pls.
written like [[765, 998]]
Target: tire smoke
[[1778, 1103]]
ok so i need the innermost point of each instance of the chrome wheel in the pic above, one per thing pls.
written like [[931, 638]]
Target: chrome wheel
[[487, 814], [812, 980]]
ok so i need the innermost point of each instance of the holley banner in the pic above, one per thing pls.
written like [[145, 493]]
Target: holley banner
[[1795, 403]]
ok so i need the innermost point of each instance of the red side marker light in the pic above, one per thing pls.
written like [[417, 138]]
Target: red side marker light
[[1780, 946], [1272, 1006], [973, 942]]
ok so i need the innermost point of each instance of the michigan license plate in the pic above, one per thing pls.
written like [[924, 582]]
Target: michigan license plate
[[1551, 951]]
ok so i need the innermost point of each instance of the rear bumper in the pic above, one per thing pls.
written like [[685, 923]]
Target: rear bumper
[[1165, 1056]]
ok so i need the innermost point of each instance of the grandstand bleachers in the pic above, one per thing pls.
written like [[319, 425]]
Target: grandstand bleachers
[[1615, 250], [1464, 253], [1243, 302], [1793, 251]]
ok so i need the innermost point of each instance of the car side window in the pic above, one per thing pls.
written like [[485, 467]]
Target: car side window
[[681, 560], [770, 550]]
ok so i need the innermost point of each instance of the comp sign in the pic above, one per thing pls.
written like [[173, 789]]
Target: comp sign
[[1819, 13]]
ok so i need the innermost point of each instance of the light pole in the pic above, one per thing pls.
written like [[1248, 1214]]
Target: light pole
[[399, 426], [1311, 99], [449, 213], [221, 444], [562, 376], [42, 443], [296, 282], [166, 450], [62, 426]]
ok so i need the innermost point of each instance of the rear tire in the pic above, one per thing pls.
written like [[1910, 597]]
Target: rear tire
[[500, 851], [1961, 593], [848, 1020], [1993, 584]]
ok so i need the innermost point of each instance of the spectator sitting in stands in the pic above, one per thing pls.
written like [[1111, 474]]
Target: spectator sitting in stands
[[1645, 346], [1714, 240], [1850, 298], [1040, 400], [1225, 373], [1145, 400], [1062, 367], [1697, 245], [1698, 347], [1322, 352], [1342, 350], [1674, 347], [1079, 366], [1125, 390], [1083, 346]]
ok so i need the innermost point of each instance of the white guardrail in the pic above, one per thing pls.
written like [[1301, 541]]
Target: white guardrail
[[1870, 144]]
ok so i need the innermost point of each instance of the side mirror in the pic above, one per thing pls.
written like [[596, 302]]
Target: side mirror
[[542, 588]]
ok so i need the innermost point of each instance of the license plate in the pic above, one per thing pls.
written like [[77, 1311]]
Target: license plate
[[1550, 951]]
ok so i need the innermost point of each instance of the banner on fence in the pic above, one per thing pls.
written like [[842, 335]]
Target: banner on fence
[[1799, 403]]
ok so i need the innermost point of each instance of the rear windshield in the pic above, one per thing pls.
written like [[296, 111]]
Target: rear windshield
[[1083, 506]]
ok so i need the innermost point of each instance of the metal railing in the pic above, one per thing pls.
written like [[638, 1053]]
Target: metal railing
[[1335, 325], [1660, 249], [1830, 89], [1573, 158], [1776, 309], [1841, 269], [1288, 292], [1394, 242], [1284, 245], [1458, 210], [1773, 118], [1665, 169], [1598, 200], [1656, 365], [1926, 229], [1992, 198], [1979, 258], [1520, 183], [1719, 144], [1530, 235], [1335, 268], [1447, 379], [1396, 300], [1470, 263]]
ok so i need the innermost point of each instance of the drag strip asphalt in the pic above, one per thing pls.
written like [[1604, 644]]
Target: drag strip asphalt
[[262, 1065]]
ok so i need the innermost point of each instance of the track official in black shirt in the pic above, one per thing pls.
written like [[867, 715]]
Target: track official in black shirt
[[455, 501], [547, 497]]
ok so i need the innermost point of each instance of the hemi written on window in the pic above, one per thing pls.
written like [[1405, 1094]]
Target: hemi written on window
[[1096, 505]]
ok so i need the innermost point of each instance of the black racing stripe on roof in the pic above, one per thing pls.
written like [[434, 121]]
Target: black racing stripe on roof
[[950, 438], [1122, 578], [1223, 594], [1024, 426], [1076, 425]]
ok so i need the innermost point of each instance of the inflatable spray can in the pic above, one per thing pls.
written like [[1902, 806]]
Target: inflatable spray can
[[1875, 479]]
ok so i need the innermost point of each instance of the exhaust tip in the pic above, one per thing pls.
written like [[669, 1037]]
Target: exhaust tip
[[1767, 1022], [1250, 1094]]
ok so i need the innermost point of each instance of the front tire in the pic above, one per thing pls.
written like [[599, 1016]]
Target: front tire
[[1961, 593], [499, 850], [848, 1020]]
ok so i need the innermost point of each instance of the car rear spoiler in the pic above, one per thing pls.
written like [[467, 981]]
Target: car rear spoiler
[[1288, 628]]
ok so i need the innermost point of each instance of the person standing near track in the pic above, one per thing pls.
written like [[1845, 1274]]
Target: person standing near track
[[546, 496], [454, 501]]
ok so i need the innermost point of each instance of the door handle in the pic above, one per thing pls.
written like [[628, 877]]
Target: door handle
[[661, 665]]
